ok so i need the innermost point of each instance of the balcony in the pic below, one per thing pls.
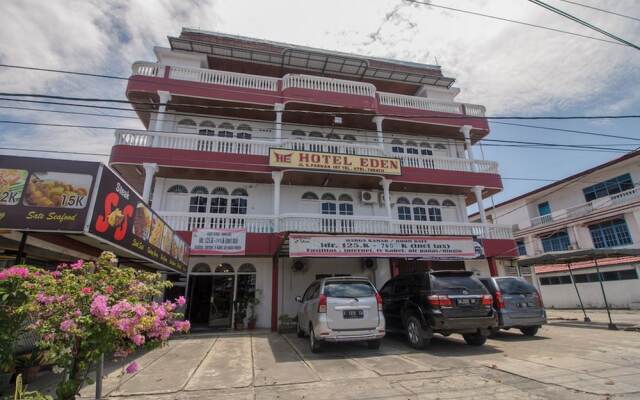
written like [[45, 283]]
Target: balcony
[[306, 88], [601, 204], [261, 147], [184, 221]]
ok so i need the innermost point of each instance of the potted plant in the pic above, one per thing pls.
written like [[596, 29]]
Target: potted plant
[[28, 364], [252, 304]]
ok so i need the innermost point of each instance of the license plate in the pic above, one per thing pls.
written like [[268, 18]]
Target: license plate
[[352, 314], [466, 302]]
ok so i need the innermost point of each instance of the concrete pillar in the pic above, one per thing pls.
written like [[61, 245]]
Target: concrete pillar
[[277, 178], [279, 108], [477, 190], [387, 197], [380, 138], [165, 97], [150, 170], [466, 132]]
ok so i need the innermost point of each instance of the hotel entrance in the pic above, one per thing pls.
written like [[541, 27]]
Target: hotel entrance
[[219, 299]]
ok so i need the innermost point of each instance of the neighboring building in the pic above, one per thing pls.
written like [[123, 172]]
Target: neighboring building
[[229, 117], [596, 208]]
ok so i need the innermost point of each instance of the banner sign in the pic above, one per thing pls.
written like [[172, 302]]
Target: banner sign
[[425, 247], [45, 194], [122, 218], [335, 162], [219, 241]]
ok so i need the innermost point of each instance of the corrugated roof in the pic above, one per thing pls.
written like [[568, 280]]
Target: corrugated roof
[[604, 262]]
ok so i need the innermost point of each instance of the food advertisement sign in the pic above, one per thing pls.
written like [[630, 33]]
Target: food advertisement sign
[[219, 241], [122, 218], [424, 247], [286, 158], [45, 194]]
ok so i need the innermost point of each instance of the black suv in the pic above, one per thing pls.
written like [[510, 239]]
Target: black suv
[[442, 302]]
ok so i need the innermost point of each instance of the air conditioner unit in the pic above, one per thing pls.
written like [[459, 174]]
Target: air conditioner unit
[[368, 264], [368, 197]]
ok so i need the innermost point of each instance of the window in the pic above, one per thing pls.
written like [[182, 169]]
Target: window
[[557, 242], [226, 268], [328, 204], [350, 138], [309, 196], [316, 135], [610, 233], [448, 203], [435, 214], [396, 146], [345, 207], [556, 280], [419, 211], [544, 208], [348, 289], [609, 187], [522, 249], [244, 132], [298, 132], [425, 149], [186, 126], [201, 267], [333, 136], [624, 274], [177, 189], [239, 201], [247, 268], [225, 130], [198, 202], [404, 211], [218, 201], [412, 147]]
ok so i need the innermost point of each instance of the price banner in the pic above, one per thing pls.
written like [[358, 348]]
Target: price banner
[[425, 247], [218, 241]]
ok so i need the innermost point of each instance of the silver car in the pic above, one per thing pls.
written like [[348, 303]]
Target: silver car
[[518, 304], [341, 309]]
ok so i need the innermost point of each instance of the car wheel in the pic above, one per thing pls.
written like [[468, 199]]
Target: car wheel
[[415, 333], [475, 339], [374, 344], [299, 330], [313, 342], [529, 330]]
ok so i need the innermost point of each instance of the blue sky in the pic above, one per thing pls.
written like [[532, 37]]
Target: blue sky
[[512, 69]]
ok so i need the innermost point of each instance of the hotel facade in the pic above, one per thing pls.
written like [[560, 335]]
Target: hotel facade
[[281, 164]]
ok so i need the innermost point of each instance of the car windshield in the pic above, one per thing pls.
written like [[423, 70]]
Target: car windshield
[[348, 289], [455, 282], [515, 286]]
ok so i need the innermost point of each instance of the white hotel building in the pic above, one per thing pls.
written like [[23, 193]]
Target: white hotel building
[[595, 208], [393, 155]]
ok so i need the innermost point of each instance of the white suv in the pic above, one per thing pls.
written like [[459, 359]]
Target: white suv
[[341, 309]]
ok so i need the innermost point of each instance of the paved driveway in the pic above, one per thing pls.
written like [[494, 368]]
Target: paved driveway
[[563, 362]]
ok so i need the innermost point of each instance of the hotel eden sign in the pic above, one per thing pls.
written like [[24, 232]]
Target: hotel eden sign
[[334, 162]]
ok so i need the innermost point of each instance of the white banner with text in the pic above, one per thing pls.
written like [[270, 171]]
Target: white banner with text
[[218, 241]]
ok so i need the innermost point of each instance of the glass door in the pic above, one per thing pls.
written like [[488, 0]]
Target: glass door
[[220, 314]]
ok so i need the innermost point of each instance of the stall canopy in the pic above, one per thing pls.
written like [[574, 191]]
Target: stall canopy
[[83, 207], [573, 256]]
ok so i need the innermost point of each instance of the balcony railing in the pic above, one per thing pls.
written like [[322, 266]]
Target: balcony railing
[[216, 144], [332, 224], [586, 208], [300, 81]]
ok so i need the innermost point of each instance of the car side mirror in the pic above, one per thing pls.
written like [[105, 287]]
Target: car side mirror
[[299, 299]]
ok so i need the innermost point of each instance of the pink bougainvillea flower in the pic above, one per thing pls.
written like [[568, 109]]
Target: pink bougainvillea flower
[[20, 272], [87, 290], [77, 265], [181, 301], [99, 306], [182, 326], [56, 274], [67, 325], [138, 340], [108, 289], [131, 368]]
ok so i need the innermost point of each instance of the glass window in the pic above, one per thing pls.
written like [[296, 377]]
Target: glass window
[[346, 208], [610, 233], [298, 132], [309, 196], [396, 146], [448, 203], [425, 149], [435, 214], [608, 187], [225, 130], [207, 128], [419, 213], [404, 213], [441, 282], [522, 249], [198, 203], [515, 286], [328, 197], [247, 268], [628, 274], [238, 205], [412, 148], [239, 192], [218, 205], [177, 189], [557, 242], [433, 202], [348, 289], [244, 132], [544, 208], [328, 208]]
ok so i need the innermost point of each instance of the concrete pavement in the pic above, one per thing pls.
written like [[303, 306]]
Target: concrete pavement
[[560, 363]]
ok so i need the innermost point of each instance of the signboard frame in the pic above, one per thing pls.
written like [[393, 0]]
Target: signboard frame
[[345, 171], [242, 232]]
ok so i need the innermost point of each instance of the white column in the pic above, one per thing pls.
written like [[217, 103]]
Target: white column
[[378, 122], [466, 132], [150, 170], [279, 108], [477, 190], [387, 197], [165, 97], [277, 178]]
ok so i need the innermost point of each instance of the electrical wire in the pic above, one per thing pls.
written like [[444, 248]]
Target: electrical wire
[[601, 10]]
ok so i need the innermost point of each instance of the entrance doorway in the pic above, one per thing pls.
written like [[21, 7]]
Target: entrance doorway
[[219, 298]]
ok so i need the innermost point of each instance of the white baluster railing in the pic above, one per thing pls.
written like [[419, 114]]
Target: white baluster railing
[[328, 85], [184, 221], [445, 163], [146, 69], [225, 78], [328, 146], [419, 103]]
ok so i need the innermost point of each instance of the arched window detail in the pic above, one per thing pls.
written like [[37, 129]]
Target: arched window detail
[[219, 191], [417, 201], [440, 146], [329, 206], [309, 196], [186, 126], [247, 268], [412, 147], [433, 202], [225, 130], [198, 202], [329, 197], [425, 149], [350, 138], [224, 268], [316, 135], [177, 189], [396, 146], [402, 200], [435, 213], [345, 197], [218, 201], [404, 211], [244, 132], [345, 207], [419, 211], [207, 128], [239, 201], [333, 136], [298, 132], [448, 203], [201, 267]]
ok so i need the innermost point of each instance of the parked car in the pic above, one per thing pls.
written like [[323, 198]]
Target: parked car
[[341, 309], [518, 304], [442, 302]]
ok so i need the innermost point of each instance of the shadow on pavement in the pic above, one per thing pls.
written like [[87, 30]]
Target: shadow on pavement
[[516, 337]]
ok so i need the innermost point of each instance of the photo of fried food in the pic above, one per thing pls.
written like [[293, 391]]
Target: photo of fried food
[[116, 218], [166, 239], [56, 189], [157, 229], [11, 185], [142, 222], [175, 245]]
